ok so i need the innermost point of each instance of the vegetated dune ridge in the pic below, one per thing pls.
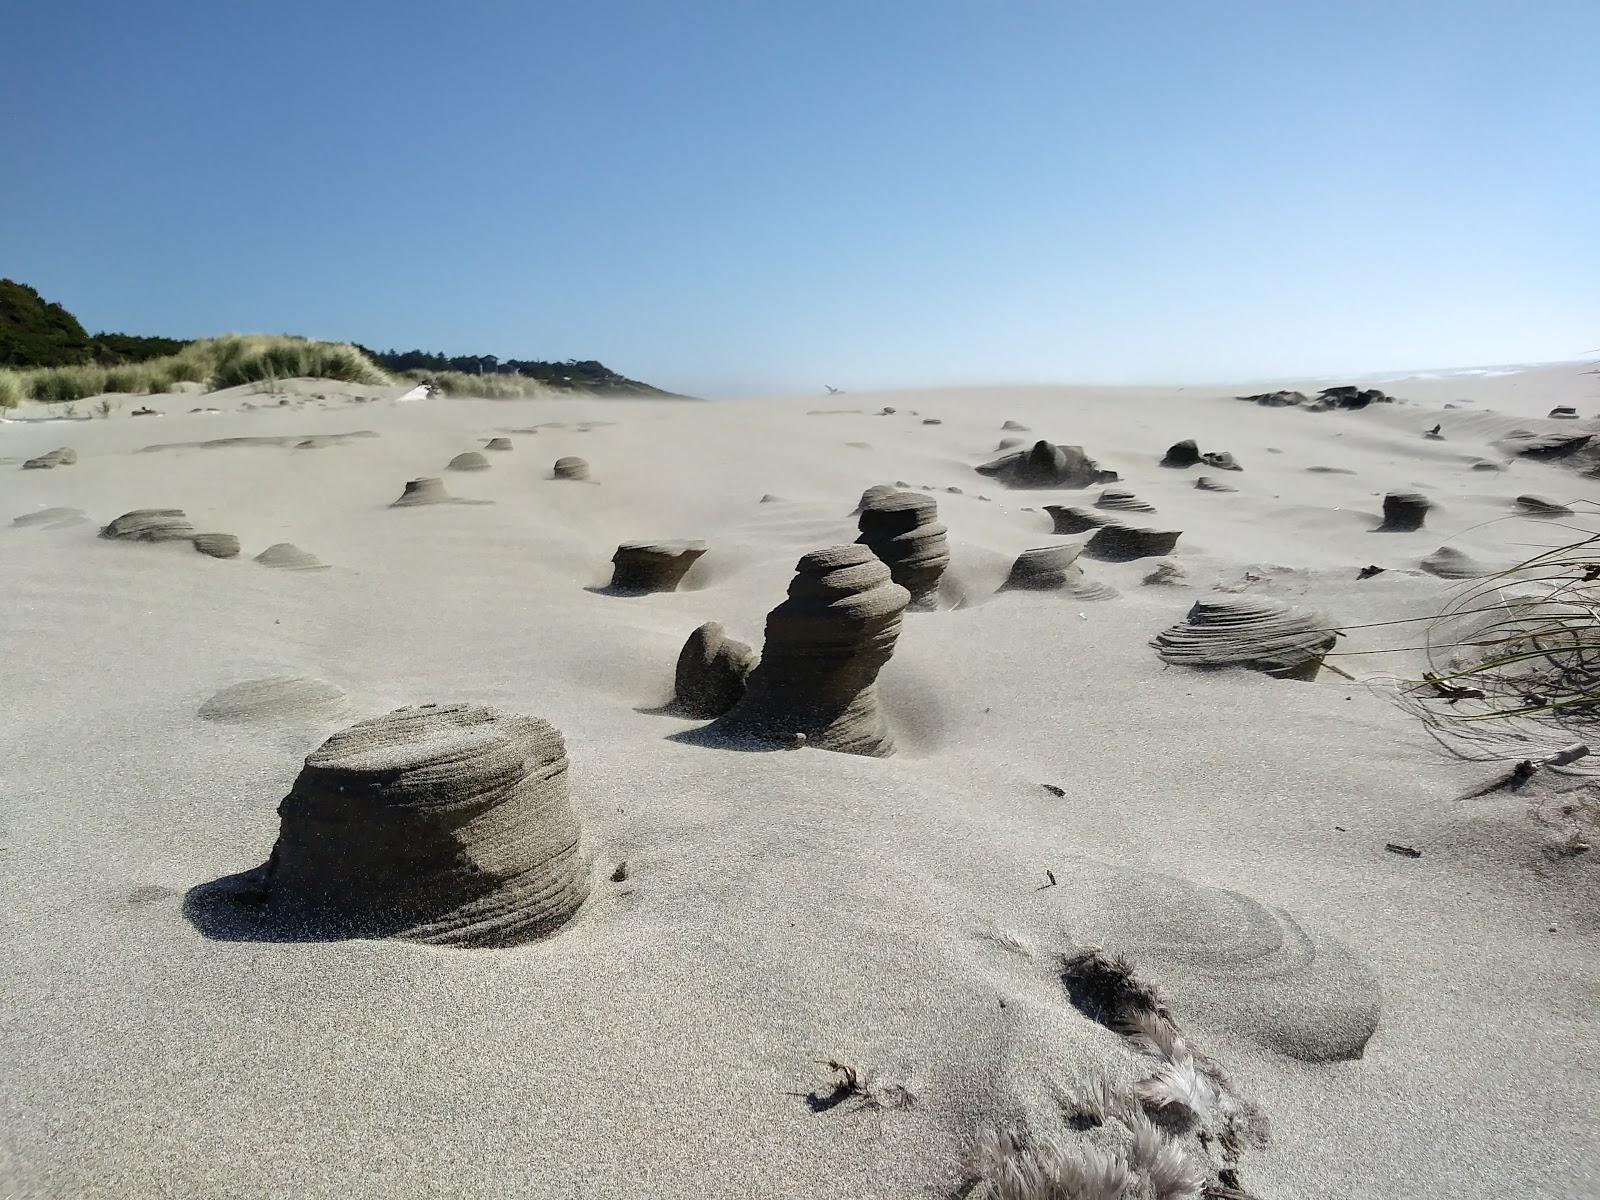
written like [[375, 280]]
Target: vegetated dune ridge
[[780, 909]]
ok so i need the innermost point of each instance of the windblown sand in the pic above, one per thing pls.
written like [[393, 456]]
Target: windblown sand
[[777, 910]]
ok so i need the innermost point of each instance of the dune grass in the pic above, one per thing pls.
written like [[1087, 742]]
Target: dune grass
[[214, 362], [491, 387], [1513, 659], [12, 391]]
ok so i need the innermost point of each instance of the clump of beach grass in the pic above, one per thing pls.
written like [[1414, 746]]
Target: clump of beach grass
[[213, 362], [490, 387], [12, 389], [1513, 658]]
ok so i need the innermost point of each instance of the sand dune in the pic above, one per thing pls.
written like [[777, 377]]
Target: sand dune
[[708, 907]]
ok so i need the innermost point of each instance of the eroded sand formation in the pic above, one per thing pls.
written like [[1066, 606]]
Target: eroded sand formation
[[1404, 512], [65, 456], [1055, 568], [642, 567], [1248, 631], [1047, 466], [446, 824], [426, 490], [1538, 506], [903, 530], [1071, 518], [570, 467], [1122, 500], [151, 525], [711, 672], [1448, 562], [824, 647], [1124, 543], [217, 545], [286, 556]]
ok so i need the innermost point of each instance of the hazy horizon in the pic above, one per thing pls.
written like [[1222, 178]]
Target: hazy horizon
[[726, 201]]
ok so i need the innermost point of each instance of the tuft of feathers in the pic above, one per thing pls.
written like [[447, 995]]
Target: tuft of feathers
[[1009, 1165], [1179, 1092], [1170, 1172], [1014, 942], [1104, 988]]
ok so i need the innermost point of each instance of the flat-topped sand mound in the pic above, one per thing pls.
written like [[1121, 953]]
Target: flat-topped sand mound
[[446, 824]]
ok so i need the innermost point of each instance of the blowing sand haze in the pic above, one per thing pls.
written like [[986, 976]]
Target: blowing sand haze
[[648, 934]]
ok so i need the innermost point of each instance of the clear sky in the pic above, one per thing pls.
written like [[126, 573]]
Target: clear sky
[[743, 197]]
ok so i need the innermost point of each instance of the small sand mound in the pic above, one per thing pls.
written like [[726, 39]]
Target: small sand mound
[[1047, 466], [276, 698], [1449, 563], [217, 545], [1313, 999], [286, 556], [469, 460], [1404, 512], [64, 456], [903, 530], [1124, 543], [1538, 506], [570, 467], [1008, 443], [824, 648], [1220, 460], [151, 525], [1044, 568], [427, 490], [1122, 500], [1248, 631], [711, 673], [1168, 573], [1013, 427], [1543, 445], [1055, 568], [1072, 519], [498, 443], [1207, 484], [51, 518], [643, 567], [446, 824], [1182, 454]]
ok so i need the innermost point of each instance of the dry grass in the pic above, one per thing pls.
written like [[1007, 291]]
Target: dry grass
[[490, 387], [215, 362], [1513, 659]]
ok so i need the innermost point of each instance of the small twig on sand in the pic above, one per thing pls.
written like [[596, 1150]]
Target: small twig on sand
[[1526, 769], [1451, 691]]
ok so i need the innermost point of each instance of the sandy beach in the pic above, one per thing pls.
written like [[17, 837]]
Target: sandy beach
[[1381, 1024]]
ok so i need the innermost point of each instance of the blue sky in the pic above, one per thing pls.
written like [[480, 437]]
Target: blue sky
[[740, 197]]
